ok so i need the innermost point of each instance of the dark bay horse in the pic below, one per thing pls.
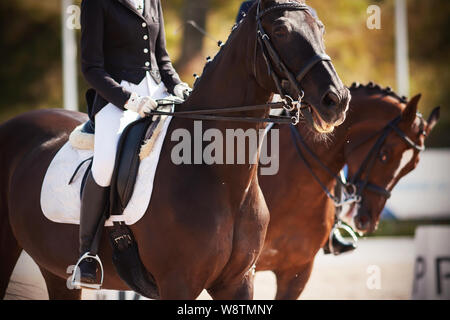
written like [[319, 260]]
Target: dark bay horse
[[301, 214], [205, 225]]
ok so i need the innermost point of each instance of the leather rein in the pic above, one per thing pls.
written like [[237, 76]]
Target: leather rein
[[271, 58], [354, 189]]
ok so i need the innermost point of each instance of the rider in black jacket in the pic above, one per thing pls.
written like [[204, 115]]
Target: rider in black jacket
[[119, 43], [124, 59]]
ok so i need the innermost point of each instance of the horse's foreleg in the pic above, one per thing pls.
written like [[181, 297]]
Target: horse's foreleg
[[9, 251], [291, 283], [242, 290], [57, 287], [175, 286]]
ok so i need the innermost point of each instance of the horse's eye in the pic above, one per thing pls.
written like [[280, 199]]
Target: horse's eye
[[280, 31], [384, 156]]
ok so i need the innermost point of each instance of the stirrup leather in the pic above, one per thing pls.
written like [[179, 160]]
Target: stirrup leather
[[76, 282]]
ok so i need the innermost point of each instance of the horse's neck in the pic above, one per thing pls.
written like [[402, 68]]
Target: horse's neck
[[229, 82], [302, 184], [331, 153]]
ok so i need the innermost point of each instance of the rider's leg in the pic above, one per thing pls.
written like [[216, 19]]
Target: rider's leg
[[336, 243], [93, 205], [109, 124]]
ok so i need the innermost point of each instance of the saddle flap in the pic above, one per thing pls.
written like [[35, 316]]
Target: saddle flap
[[127, 165]]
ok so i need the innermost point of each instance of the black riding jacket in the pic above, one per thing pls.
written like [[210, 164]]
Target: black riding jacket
[[118, 43]]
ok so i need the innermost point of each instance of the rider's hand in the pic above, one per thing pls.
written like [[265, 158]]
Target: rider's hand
[[182, 90], [141, 105]]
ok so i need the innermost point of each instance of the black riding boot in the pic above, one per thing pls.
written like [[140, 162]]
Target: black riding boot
[[93, 206], [339, 244]]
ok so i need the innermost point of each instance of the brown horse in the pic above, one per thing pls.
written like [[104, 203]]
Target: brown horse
[[302, 215], [205, 225]]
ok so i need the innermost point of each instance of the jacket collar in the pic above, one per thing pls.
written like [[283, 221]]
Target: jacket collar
[[130, 6]]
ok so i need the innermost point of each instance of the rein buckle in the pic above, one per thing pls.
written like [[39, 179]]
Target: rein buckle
[[291, 105]]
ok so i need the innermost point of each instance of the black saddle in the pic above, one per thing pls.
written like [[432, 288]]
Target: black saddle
[[127, 164], [127, 161]]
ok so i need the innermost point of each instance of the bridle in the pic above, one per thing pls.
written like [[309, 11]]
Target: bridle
[[271, 57], [366, 167], [351, 192], [354, 189]]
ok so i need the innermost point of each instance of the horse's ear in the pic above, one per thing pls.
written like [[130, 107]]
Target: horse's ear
[[410, 112], [433, 119]]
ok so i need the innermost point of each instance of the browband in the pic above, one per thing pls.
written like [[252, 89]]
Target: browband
[[282, 6]]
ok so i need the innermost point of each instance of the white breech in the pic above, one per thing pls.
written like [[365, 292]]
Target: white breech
[[110, 122]]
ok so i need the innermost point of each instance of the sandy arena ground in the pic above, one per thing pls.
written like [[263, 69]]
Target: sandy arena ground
[[380, 268]]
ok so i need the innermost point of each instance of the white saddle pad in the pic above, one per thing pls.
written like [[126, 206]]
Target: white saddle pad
[[60, 202]]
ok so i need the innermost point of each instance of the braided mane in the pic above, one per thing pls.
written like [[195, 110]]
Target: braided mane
[[378, 89]]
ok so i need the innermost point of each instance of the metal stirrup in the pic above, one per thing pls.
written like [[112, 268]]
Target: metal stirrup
[[340, 225], [78, 284]]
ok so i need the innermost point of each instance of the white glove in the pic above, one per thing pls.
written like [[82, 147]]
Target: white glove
[[141, 105], [182, 90]]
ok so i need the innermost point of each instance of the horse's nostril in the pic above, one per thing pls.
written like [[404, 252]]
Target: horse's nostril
[[364, 219], [362, 222], [330, 100]]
